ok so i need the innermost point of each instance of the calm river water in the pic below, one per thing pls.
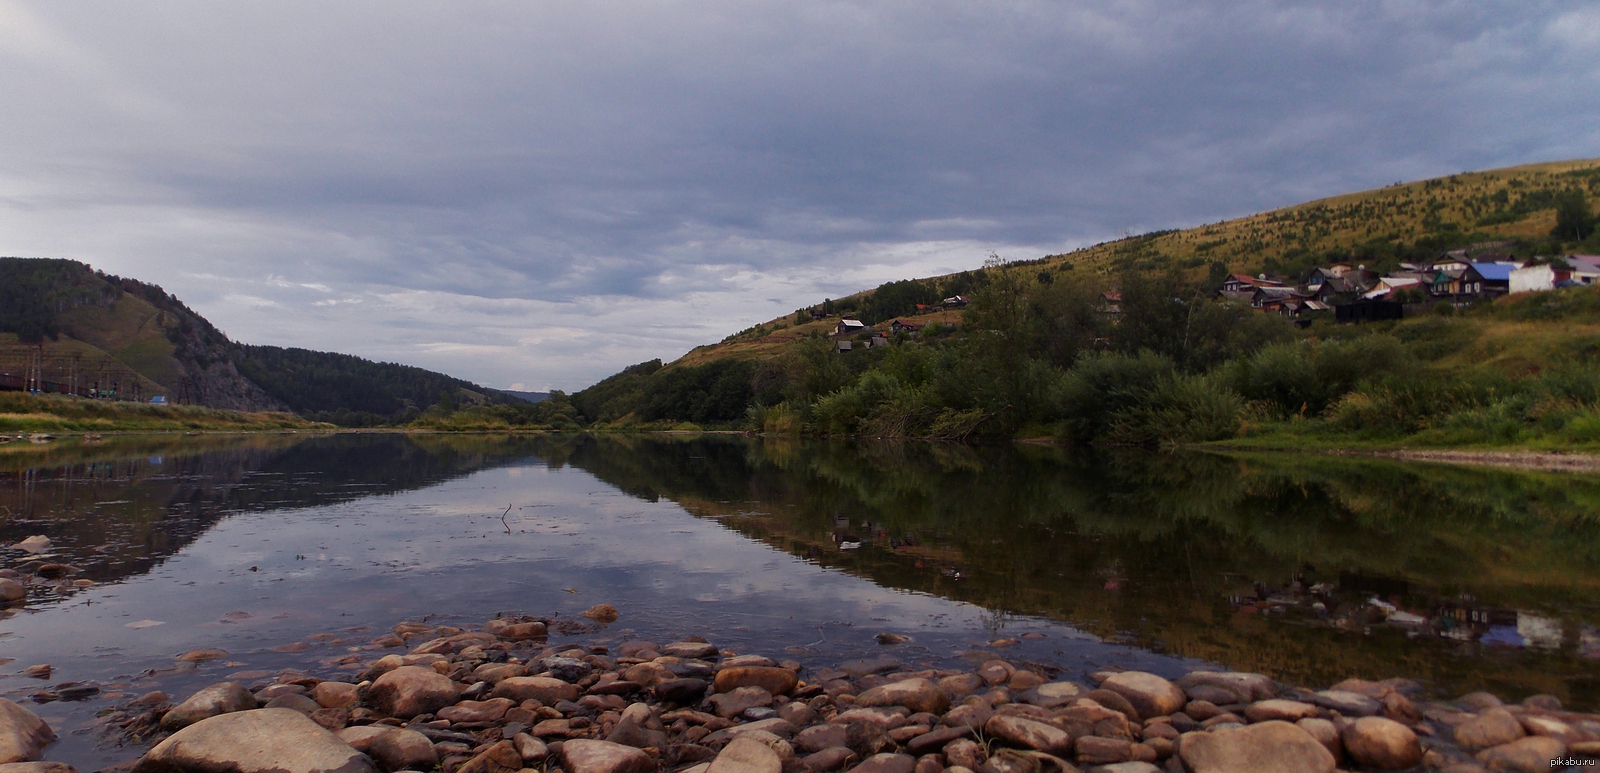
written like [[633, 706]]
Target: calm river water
[[292, 551]]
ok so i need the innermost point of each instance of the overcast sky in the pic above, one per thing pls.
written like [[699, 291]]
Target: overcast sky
[[535, 194]]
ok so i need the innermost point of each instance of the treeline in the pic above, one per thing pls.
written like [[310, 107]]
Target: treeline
[[351, 391], [34, 292], [1160, 362]]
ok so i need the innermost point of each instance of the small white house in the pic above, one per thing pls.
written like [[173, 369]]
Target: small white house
[[1533, 279]]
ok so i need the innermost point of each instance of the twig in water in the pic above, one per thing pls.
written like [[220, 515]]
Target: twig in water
[[503, 518]]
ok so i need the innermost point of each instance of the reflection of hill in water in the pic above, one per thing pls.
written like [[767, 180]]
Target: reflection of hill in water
[[1165, 550], [119, 509]]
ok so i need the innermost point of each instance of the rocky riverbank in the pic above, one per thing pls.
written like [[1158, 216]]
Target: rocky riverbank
[[500, 699]]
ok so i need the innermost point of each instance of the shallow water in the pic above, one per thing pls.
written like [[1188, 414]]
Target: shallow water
[[291, 552]]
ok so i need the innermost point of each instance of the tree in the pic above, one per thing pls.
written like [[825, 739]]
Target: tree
[[1574, 220]]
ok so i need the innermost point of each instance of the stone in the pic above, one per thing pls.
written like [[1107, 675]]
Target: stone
[[41, 671], [886, 763], [1010, 761], [361, 737], [1093, 750], [602, 613], [1150, 695], [1115, 702], [532, 750], [864, 666], [1128, 767], [1350, 704], [865, 738], [776, 681], [1382, 743], [1491, 728], [335, 695], [543, 689], [1523, 755], [1326, 733], [294, 702], [1400, 709], [259, 741], [690, 649], [680, 690], [648, 674], [1268, 747], [23, 735], [1479, 701], [914, 694], [1554, 728], [218, 699], [734, 703], [36, 544], [36, 767], [777, 726], [832, 758], [935, 740], [566, 669], [1247, 686], [411, 690], [1050, 695], [1029, 734], [1213, 694], [962, 684], [500, 757], [746, 755], [401, 749], [202, 655], [1288, 711], [492, 710], [586, 756], [523, 632], [815, 739], [11, 590]]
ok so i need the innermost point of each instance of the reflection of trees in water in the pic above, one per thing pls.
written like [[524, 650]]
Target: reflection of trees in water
[[1152, 544], [119, 509]]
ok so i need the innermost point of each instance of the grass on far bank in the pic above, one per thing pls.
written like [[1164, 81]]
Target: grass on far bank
[[25, 413]]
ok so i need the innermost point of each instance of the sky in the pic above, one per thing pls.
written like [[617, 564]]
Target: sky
[[535, 194]]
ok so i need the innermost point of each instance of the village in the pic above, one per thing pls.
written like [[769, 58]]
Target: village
[[1349, 293]]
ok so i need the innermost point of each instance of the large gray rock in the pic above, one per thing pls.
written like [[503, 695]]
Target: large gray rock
[[1526, 754], [1269, 747], [543, 689], [261, 741], [1492, 728], [915, 694], [1382, 743], [220, 698], [1151, 695], [584, 756], [1246, 687], [746, 755], [401, 749], [11, 590], [1051, 695], [23, 735], [411, 690], [1350, 704], [1029, 734]]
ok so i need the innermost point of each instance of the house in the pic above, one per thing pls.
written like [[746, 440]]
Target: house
[[1585, 268], [849, 326], [1533, 279], [956, 301], [1391, 284], [879, 338], [1496, 276], [1246, 283], [1272, 298], [1111, 304], [843, 346], [816, 313], [1463, 282], [1339, 279], [901, 326]]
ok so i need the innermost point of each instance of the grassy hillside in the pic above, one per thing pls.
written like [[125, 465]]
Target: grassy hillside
[[1510, 210], [1040, 352], [25, 413]]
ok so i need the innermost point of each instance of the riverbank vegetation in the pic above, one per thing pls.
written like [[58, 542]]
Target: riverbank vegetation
[[25, 413]]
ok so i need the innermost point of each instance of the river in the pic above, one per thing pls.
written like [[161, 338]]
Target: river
[[293, 551]]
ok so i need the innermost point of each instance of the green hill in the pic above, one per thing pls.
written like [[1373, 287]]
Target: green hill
[[1046, 350], [86, 330]]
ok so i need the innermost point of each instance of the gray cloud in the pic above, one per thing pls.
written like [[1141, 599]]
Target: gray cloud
[[540, 193]]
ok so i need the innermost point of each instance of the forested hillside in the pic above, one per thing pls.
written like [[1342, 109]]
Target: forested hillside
[[90, 327]]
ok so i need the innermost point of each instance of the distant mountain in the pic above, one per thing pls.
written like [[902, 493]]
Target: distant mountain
[[527, 397], [87, 330]]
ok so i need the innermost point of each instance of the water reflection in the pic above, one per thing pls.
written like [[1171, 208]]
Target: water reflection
[[1312, 569]]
